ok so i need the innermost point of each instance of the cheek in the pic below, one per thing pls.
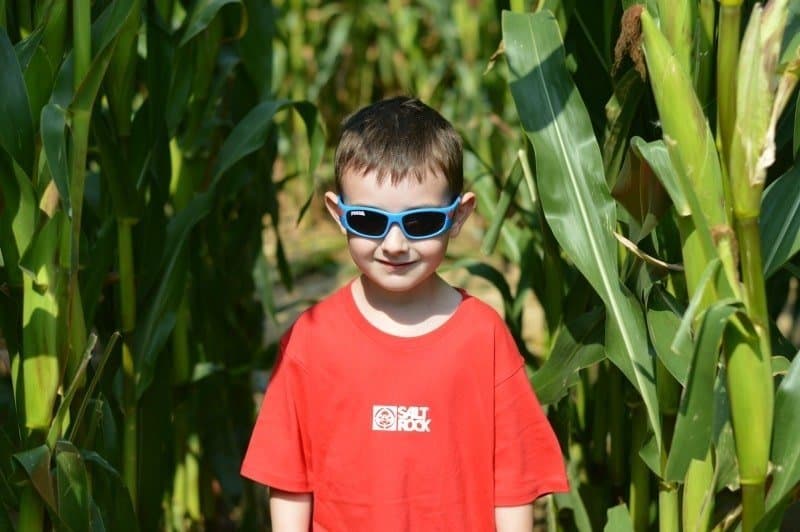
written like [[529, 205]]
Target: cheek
[[360, 246], [433, 247]]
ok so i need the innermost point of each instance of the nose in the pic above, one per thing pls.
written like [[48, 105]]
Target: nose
[[395, 242]]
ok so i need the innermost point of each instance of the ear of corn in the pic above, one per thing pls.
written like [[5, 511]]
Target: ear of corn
[[677, 18]]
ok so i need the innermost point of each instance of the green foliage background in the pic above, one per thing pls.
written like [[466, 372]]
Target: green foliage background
[[150, 150]]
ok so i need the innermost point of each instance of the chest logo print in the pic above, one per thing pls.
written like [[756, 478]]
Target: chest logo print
[[393, 418]]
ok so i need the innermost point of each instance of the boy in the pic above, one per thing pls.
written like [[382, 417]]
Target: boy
[[400, 403]]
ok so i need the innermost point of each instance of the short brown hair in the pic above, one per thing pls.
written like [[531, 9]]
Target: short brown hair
[[398, 138]]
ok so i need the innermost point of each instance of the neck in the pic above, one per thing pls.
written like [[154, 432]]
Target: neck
[[406, 313], [421, 297]]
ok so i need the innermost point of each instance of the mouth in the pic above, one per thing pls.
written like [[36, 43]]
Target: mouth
[[392, 264]]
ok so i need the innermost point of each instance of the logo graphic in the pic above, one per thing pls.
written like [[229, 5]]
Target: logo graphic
[[393, 418]]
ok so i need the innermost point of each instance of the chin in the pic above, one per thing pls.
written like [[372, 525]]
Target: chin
[[398, 284]]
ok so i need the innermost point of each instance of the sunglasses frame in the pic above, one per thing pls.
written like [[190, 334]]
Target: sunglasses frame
[[397, 218]]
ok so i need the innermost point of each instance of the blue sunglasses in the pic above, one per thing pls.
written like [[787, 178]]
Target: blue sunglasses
[[416, 224]]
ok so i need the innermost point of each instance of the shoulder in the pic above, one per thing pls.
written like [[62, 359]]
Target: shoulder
[[485, 321], [479, 311], [321, 319]]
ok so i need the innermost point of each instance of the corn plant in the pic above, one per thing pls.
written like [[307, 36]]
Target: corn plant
[[135, 163], [681, 305]]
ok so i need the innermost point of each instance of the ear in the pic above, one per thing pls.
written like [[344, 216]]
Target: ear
[[464, 209], [332, 203]]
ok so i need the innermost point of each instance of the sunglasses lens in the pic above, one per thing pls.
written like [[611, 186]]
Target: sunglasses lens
[[367, 222], [421, 224]]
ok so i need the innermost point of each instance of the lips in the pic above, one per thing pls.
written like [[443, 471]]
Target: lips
[[395, 264]]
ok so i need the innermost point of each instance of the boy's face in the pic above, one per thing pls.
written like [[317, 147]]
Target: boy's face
[[396, 263]]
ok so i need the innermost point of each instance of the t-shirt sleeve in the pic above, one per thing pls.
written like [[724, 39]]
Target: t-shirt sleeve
[[528, 460], [278, 454]]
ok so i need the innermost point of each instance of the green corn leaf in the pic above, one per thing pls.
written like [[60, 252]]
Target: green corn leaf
[[693, 428], [110, 495], [7, 493], [780, 221], [255, 46], [785, 443], [5, 519], [36, 464], [87, 91], [796, 135], [76, 423], [512, 239], [504, 203], [203, 12], [54, 142], [572, 188], [791, 35], [73, 487], [16, 127], [284, 269], [780, 365], [651, 456], [577, 345], [657, 156], [573, 501], [663, 322], [727, 468], [621, 109], [106, 28], [40, 367], [103, 253], [120, 173], [39, 75], [251, 133], [488, 272], [338, 38], [683, 335], [56, 428], [158, 319], [17, 217], [27, 48], [619, 519]]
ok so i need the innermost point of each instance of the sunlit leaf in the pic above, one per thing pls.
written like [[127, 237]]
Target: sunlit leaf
[[657, 156], [693, 427], [619, 519], [17, 216], [663, 322], [573, 191]]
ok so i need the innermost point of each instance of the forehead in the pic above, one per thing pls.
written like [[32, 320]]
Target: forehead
[[370, 189]]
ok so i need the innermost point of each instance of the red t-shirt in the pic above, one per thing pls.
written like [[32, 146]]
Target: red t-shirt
[[403, 434]]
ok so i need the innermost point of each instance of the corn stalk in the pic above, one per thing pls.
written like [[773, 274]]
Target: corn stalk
[[716, 211]]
